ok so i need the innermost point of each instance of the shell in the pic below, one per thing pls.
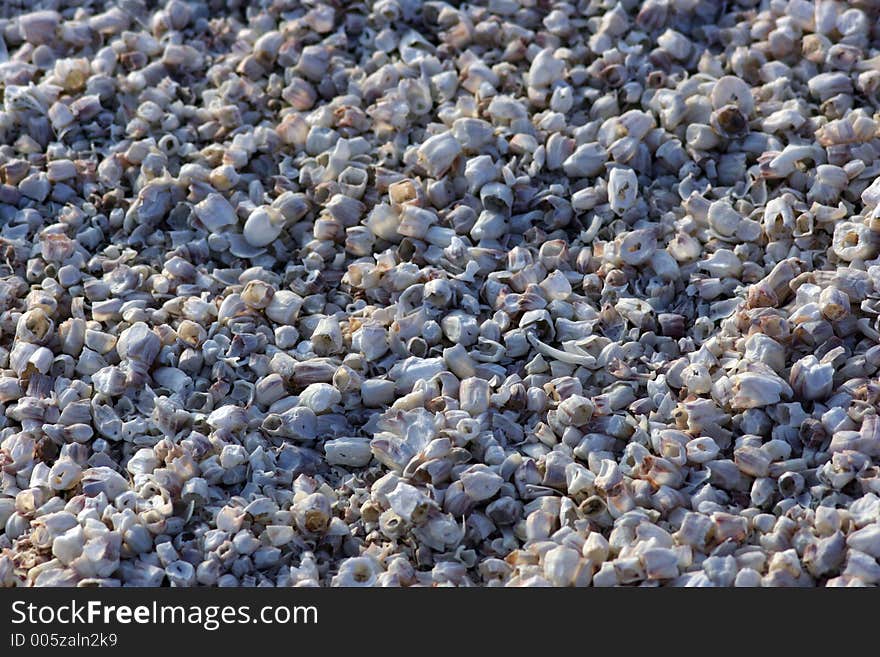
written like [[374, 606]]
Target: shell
[[623, 188], [215, 213], [351, 452], [263, 226], [730, 90], [437, 153], [545, 69]]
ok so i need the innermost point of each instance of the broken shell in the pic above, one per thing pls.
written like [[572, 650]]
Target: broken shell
[[622, 189]]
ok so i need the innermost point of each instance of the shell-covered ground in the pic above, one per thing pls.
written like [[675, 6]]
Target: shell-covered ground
[[504, 293]]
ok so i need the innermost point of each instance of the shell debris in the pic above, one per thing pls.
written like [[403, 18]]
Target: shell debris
[[403, 293]]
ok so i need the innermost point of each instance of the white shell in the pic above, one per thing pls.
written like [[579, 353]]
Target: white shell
[[730, 90], [320, 397], [215, 212], [545, 69], [352, 452], [623, 188], [263, 226]]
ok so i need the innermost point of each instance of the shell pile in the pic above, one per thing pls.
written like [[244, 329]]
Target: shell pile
[[393, 293]]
